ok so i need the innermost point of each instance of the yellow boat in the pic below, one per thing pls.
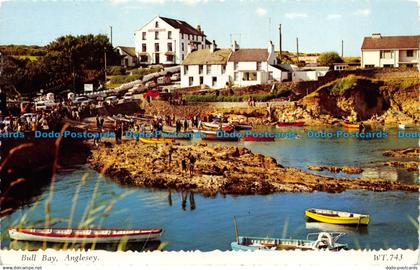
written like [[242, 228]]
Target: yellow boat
[[337, 217], [156, 140], [346, 124]]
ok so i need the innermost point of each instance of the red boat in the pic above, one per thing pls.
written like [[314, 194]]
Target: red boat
[[291, 124], [253, 138]]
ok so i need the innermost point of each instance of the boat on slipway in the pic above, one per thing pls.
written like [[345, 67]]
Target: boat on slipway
[[291, 124], [75, 235]]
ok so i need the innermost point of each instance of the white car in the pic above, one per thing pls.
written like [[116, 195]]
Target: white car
[[44, 105], [111, 100], [175, 77], [80, 100], [128, 97]]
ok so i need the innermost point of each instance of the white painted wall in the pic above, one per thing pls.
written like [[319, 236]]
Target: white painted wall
[[404, 58], [304, 75], [193, 71]]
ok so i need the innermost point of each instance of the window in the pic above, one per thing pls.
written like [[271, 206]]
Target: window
[[169, 47], [185, 70], [143, 58], [156, 24], [182, 46], [201, 79], [249, 76], [156, 47], [213, 81], [386, 54], [208, 68], [410, 53], [235, 65], [169, 58], [190, 81], [258, 65], [388, 66], [182, 57], [223, 69], [270, 75], [409, 65], [235, 76], [369, 66], [143, 35], [143, 47], [156, 35], [200, 69], [169, 34]]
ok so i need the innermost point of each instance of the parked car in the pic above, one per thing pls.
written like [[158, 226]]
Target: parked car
[[44, 105], [150, 84], [164, 80], [175, 77], [111, 100], [82, 99], [128, 97]]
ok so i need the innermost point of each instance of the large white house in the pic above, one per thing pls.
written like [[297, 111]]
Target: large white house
[[390, 51], [165, 41], [241, 67]]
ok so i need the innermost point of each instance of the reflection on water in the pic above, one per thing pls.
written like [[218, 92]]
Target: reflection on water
[[326, 227]]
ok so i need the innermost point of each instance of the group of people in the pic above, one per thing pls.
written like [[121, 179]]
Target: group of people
[[251, 102]]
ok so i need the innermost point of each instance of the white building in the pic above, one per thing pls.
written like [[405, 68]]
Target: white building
[[390, 51], [254, 66], [165, 41], [241, 67], [129, 58]]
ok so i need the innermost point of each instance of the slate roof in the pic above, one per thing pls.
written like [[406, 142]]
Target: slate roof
[[391, 42]]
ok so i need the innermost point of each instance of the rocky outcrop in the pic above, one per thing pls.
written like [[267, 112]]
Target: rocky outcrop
[[410, 166], [335, 169], [227, 170], [405, 153]]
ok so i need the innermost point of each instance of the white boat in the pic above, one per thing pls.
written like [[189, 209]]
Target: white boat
[[402, 126], [73, 235]]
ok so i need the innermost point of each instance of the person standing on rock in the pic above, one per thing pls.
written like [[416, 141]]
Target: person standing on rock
[[170, 151], [192, 163], [183, 165]]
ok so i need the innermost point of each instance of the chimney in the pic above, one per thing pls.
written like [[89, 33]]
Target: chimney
[[270, 47], [199, 29], [235, 46], [376, 35], [213, 46]]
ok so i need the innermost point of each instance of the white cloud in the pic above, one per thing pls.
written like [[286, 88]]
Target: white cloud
[[120, 2], [334, 16], [362, 12], [261, 12], [296, 15]]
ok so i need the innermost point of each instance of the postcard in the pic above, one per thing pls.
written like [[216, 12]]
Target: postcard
[[209, 134]]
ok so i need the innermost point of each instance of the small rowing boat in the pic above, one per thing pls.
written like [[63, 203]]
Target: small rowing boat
[[337, 217], [258, 138], [156, 140], [349, 125], [217, 125], [323, 241], [72, 235], [291, 124]]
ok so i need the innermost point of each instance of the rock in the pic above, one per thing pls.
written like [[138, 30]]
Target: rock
[[335, 169]]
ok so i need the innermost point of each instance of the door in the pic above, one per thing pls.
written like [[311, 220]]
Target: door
[[157, 59]]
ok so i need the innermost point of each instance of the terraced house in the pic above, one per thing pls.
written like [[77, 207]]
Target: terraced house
[[390, 51], [217, 68], [165, 41]]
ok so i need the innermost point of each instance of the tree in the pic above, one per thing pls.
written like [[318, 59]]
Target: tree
[[329, 58]]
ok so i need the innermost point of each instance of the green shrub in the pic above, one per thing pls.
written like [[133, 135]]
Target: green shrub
[[213, 98], [120, 79], [115, 70], [144, 71]]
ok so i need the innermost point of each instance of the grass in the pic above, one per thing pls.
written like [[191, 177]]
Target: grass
[[234, 98], [403, 83]]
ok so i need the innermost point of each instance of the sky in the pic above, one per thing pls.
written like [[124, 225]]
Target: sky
[[320, 25]]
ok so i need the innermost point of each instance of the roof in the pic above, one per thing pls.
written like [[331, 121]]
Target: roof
[[131, 51], [206, 57], [391, 42], [280, 68], [249, 55], [183, 26]]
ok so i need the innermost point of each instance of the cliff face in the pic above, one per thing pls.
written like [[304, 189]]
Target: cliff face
[[387, 99]]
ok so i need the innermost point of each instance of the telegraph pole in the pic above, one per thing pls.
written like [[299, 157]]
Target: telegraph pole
[[110, 27], [297, 49], [280, 40], [105, 65], [342, 48]]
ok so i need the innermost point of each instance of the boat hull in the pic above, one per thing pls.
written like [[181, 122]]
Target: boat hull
[[258, 139], [291, 124], [85, 236], [210, 135], [346, 219], [350, 126], [156, 140]]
